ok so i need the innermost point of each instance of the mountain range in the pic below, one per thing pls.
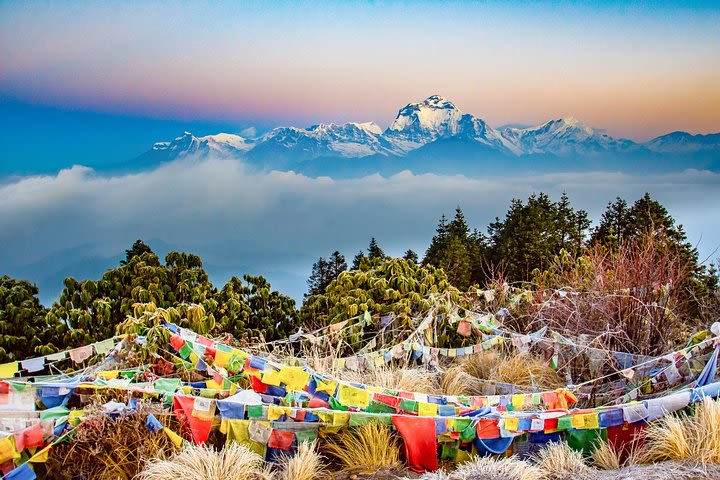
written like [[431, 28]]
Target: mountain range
[[435, 136]]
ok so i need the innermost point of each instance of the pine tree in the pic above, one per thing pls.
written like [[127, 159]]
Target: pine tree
[[411, 256], [358, 260], [319, 277], [374, 250], [613, 225], [533, 233]]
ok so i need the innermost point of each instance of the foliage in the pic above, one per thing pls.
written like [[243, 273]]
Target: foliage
[[305, 464], [533, 232], [24, 331], [393, 286], [632, 300], [695, 438], [251, 308]]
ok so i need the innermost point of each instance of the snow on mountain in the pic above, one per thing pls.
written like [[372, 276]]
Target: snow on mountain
[[435, 118], [435, 121], [347, 140], [564, 136], [683, 142], [188, 144]]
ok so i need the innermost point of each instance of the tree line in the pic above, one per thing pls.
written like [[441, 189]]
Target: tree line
[[523, 246]]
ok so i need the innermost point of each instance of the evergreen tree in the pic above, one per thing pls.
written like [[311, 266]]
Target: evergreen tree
[[533, 233], [613, 225], [374, 250], [411, 256], [457, 251], [24, 330], [325, 271], [358, 260]]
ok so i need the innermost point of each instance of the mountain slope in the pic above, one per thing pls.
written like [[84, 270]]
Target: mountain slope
[[436, 130]]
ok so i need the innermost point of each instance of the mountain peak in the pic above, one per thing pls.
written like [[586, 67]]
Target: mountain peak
[[437, 101]]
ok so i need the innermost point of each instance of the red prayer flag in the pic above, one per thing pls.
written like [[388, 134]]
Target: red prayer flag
[[280, 439], [419, 437]]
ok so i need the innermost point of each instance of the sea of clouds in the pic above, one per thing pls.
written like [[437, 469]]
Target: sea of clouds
[[78, 222]]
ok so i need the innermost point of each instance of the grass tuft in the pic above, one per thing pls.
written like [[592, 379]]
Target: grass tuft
[[306, 464], [367, 448], [234, 462]]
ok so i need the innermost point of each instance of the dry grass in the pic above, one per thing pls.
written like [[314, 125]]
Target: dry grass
[[306, 464], [404, 378], [559, 461], [107, 449], [692, 438], [466, 376], [483, 468], [366, 448], [234, 462], [457, 381], [607, 457]]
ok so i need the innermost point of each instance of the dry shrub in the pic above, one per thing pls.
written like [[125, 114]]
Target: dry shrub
[[523, 369], [367, 448], [306, 464], [456, 381], [693, 438], [632, 300], [559, 461], [401, 378], [483, 468], [107, 449], [234, 462], [528, 371]]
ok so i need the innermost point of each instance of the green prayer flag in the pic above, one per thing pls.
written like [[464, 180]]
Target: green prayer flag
[[407, 405], [166, 385], [308, 435], [255, 411], [185, 350], [565, 422]]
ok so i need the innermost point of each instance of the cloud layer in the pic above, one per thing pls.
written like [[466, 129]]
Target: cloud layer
[[278, 223]]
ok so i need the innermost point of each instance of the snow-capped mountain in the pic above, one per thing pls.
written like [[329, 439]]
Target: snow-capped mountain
[[683, 142], [348, 140], [563, 137], [188, 144], [436, 131]]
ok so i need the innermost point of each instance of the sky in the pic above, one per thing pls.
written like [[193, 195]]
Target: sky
[[87, 86], [637, 70]]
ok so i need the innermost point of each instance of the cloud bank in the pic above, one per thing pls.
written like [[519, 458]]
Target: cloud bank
[[78, 222]]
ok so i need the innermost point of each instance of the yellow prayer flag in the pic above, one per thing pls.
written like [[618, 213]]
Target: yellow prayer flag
[[74, 417], [340, 418], [512, 424], [108, 374], [517, 401], [174, 437], [41, 456], [295, 378], [8, 370], [578, 421], [452, 352], [8, 450], [272, 377], [222, 358], [353, 396], [211, 384], [592, 421], [427, 409], [326, 386], [275, 412]]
